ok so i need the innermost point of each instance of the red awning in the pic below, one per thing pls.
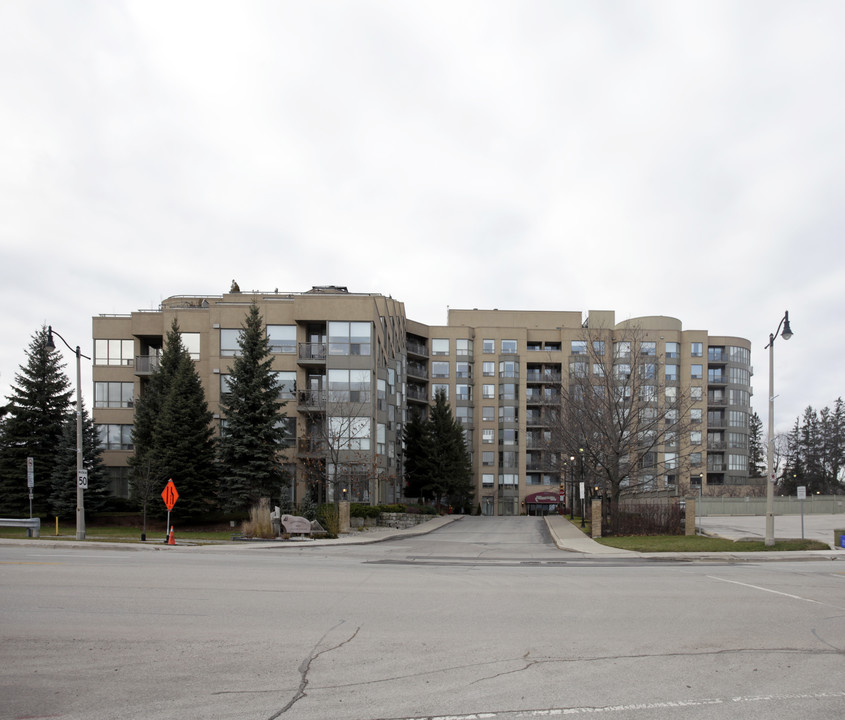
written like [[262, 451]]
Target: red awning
[[544, 498]]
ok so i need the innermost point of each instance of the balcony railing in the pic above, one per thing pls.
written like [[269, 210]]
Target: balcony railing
[[416, 348], [310, 446], [312, 398], [146, 364], [312, 351]]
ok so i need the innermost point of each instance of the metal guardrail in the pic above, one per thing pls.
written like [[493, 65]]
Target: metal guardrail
[[32, 525]]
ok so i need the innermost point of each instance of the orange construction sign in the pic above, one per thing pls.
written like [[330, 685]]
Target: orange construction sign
[[169, 495]]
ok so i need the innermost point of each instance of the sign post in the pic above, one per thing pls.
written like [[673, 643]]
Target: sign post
[[802, 494], [170, 496], [30, 481]]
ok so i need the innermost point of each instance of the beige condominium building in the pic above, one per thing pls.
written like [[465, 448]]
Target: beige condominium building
[[352, 368]]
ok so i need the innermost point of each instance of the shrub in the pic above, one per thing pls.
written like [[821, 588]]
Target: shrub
[[259, 523], [329, 517]]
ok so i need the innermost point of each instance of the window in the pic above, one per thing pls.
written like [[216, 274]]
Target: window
[[508, 479], [488, 391], [577, 369], [670, 460], [648, 348], [671, 394], [508, 369], [739, 355], [508, 391], [287, 384], [737, 418], [463, 347], [714, 375], [463, 415], [439, 369], [488, 413], [488, 457], [191, 341], [438, 387], [507, 414], [440, 346], [508, 458], [533, 346], [509, 347], [349, 386], [622, 350], [695, 437], [463, 392], [695, 393], [488, 346], [350, 433], [737, 462], [288, 427], [671, 372], [695, 461], [488, 368], [229, 342], [225, 387], [114, 352], [697, 349], [487, 480], [598, 348], [553, 347], [114, 394], [695, 415], [508, 436], [648, 393], [463, 370], [673, 350], [622, 371], [115, 437], [487, 436], [578, 347], [648, 371], [737, 440], [696, 372], [282, 338], [381, 438], [349, 338], [739, 376]]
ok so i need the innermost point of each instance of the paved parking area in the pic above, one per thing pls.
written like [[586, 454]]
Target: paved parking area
[[735, 527]]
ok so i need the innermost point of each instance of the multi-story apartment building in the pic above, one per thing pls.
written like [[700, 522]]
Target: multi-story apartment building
[[350, 355]]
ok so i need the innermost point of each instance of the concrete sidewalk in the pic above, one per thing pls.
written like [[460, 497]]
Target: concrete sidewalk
[[567, 536]]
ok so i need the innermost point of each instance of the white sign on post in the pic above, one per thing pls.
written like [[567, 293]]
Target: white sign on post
[[30, 473], [582, 490], [802, 492], [82, 478]]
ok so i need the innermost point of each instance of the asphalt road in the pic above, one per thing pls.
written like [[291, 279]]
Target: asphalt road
[[482, 618]]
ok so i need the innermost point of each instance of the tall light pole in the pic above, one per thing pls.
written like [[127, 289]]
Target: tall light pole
[[770, 455], [80, 492]]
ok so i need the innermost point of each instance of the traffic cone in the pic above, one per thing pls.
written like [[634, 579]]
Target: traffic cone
[[171, 540]]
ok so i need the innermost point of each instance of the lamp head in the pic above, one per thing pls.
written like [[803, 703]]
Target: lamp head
[[787, 331], [50, 344]]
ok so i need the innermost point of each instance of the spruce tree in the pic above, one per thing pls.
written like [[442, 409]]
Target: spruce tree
[[63, 479], [173, 436], [39, 402], [418, 454], [450, 467], [756, 451], [252, 436]]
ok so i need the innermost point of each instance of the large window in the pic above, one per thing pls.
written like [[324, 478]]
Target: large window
[[282, 338], [440, 346], [696, 372], [463, 347], [114, 352], [440, 369], [648, 348], [488, 413], [509, 347], [488, 391], [191, 341], [697, 349], [673, 350], [350, 433], [463, 369], [463, 392], [488, 346], [737, 463], [349, 386], [115, 437], [229, 342], [287, 384], [487, 436], [488, 368], [488, 457], [349, 338], [578, 347], [288, 427], [438, 387], [114, 394], [508, 369], [671, 372]]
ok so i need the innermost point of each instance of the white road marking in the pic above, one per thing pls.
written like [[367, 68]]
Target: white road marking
[[775, 592]]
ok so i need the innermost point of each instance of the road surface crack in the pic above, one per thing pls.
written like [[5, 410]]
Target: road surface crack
[[305, 667]]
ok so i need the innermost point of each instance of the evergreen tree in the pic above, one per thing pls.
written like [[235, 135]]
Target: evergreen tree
[[756, 453], [32, 427], [184, 442], [417, 453], [252, 435], [173, 435], [63, 480], [450, 467], [437, 463]]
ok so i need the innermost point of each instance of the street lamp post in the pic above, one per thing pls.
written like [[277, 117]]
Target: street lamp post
[[80, 492], [770, 455]]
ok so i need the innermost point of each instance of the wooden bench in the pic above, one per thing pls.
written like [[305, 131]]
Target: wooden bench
[[32, 525]]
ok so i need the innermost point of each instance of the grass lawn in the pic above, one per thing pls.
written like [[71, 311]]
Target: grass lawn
[[123, 534], [701, 543]]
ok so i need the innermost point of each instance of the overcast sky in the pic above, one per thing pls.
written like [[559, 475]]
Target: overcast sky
[[652, 158]]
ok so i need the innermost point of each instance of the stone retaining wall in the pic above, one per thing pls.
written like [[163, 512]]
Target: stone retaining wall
[[403, 520]]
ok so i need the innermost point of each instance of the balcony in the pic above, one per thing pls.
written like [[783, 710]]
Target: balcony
[[310, 400], [539, 376], [310, 447], [417, 371], [146, 364], [417, 393], [310, 353], [415, 348]]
